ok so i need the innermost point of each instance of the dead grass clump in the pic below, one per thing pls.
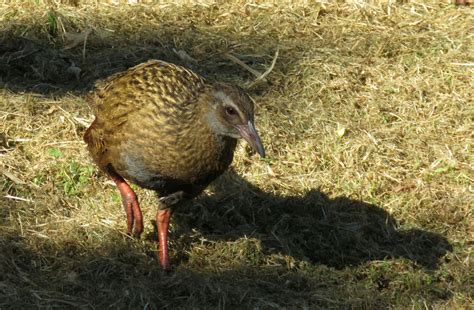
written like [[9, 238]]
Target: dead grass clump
[[365, 200]]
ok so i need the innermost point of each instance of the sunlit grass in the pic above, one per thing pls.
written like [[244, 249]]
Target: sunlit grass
[[365, 200]]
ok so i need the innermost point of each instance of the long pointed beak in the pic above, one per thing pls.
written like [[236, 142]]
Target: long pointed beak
[[249, 133]]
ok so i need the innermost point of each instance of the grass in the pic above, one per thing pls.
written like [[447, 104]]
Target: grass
[[365, 202]]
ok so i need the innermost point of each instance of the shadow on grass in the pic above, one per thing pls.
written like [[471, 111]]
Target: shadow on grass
[[39, 66], [313, 230], [115, 276], [337, 232]]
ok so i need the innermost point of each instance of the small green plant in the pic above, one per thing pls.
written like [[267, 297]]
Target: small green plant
[[54, 152], [52, 23], [73, 177], [38, 180]]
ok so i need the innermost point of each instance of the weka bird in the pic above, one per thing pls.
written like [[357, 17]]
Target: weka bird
[[167, 129]]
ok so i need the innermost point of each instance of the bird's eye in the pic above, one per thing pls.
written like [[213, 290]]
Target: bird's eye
[[230, 111]]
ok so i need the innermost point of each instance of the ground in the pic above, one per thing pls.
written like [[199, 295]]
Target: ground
[[365, 200]]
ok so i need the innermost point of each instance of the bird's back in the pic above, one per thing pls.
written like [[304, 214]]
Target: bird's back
[[150, 127]]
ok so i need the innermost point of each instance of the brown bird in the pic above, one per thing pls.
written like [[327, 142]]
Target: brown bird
[[165, 128]]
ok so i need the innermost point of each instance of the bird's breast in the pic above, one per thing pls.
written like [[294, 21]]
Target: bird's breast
[[196, 158]]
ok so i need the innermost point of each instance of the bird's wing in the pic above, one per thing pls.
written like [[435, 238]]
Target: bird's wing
[[172, 88]]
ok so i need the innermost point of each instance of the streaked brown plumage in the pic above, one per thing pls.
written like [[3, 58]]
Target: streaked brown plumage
[[167, 129]]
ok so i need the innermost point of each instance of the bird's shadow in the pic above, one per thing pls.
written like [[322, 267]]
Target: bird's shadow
[[337, 232]]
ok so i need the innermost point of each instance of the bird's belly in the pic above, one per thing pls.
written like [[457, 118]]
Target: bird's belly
[[138, 171], [167, 175]]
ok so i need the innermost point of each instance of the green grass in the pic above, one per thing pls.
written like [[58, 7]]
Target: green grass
[[365, 200]]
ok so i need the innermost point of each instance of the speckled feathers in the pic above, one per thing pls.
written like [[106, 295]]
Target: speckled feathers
[[151, 127]]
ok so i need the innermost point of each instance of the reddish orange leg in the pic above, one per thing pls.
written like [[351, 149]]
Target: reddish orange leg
[[131, 206], [163, 221]]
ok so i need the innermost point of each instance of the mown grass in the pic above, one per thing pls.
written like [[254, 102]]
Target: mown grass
[[365, 201]]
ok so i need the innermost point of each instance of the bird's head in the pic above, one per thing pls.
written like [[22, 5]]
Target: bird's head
[[231, 114]]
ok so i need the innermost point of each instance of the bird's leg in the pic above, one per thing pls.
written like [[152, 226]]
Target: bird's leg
[[162, 222], [130, 204]]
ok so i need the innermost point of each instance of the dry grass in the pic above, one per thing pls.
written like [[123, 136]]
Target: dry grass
[[366, 200]]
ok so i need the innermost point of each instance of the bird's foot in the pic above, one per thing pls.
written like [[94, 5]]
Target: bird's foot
[[134, 214], [162, 221], [131, 207]]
